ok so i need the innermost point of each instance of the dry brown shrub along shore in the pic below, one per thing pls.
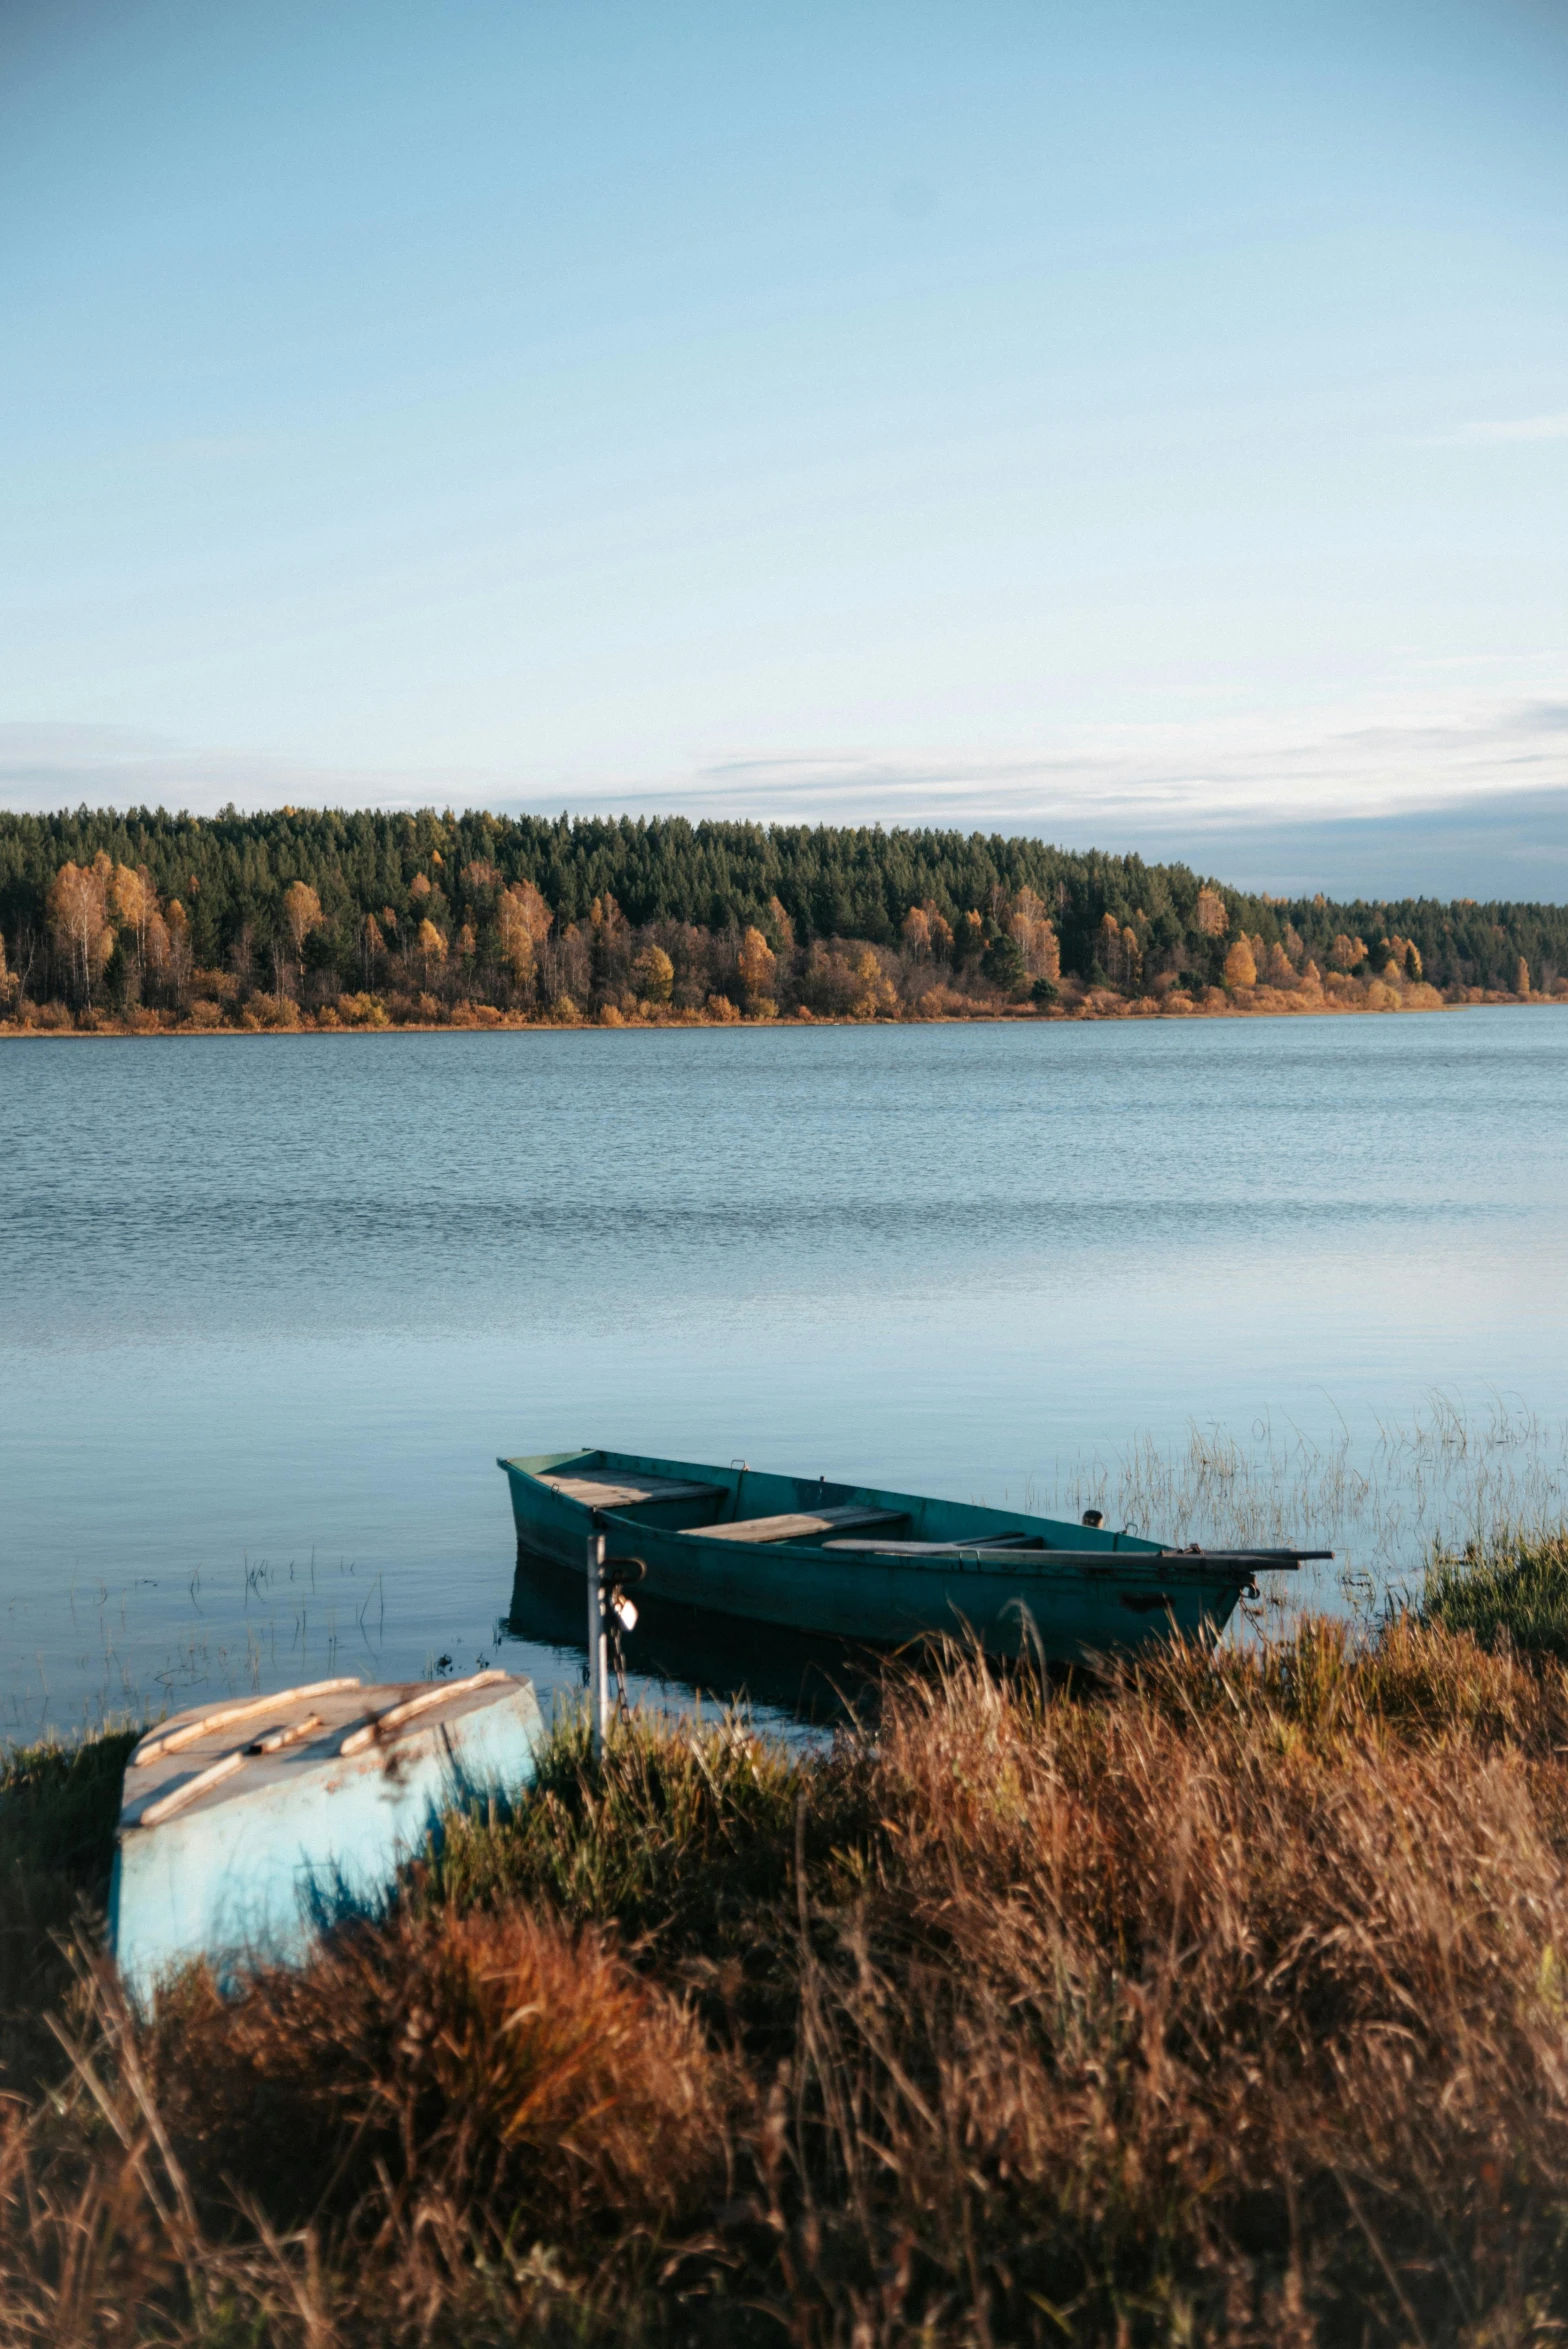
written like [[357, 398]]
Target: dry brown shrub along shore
[[369, 1015], [1225, 2001]]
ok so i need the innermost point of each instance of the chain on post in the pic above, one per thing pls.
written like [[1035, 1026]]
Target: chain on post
[[618, 1572], [623, 1710]]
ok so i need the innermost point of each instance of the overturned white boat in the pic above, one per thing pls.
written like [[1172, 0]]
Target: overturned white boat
[[246, 1826]]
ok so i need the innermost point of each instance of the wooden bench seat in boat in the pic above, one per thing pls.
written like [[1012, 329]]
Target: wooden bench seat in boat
[[800, 1525], [982, 1541], [626, 1492]]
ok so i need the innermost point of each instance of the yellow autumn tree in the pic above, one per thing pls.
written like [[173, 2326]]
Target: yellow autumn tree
[[653, 975], [1522, 977], [1346, 953], [1213, 920], [1118, 953], [77, 907], [177, 969], [780, 929], [517, 945], [876, 998], [1401, 958], [535, 911], [157, 946], [430, 944], [1035, 932], [1240, 968], [917, 932], [301, 914], [757, 965], [133, 907], [523, 922]]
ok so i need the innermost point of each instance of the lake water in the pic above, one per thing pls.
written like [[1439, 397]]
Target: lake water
[[272, 1306]]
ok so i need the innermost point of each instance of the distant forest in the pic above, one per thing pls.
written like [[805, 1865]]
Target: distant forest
[[317, 918]]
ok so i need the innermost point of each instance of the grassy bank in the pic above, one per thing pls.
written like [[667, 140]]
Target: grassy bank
[[1226, 2003]]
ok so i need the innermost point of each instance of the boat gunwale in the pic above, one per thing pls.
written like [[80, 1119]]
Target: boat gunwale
[[391, 1743]]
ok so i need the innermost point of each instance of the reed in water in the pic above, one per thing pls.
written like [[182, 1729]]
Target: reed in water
[[1223, 2002]]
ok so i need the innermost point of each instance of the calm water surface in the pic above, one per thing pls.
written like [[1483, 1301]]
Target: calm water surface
[[272, 1306]]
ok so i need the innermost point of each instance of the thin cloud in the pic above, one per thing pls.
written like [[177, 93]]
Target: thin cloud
[[1384, 763], [1499, 432], [1464, 795]]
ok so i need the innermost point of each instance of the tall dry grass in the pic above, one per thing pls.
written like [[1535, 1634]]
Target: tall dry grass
[[1226, 2003]]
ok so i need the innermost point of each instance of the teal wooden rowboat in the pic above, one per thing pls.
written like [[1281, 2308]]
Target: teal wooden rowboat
[[857, 1563]]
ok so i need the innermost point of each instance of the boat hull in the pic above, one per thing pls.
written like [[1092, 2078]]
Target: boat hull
[[253, 1872], [1115, 1593]]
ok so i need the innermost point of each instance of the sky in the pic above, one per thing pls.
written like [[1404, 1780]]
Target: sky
[[1141, 425]]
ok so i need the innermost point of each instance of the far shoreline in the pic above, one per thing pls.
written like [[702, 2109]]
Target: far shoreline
[[1279, 1005]]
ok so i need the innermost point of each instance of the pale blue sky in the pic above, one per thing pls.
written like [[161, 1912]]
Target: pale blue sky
[[1138, 424]]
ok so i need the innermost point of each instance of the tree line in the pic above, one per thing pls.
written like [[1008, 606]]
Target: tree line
[[373, 917]]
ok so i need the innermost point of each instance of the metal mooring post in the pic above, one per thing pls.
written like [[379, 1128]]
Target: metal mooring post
[[598, 1642]]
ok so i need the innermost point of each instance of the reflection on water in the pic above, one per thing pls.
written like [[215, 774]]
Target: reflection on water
[[677, 1655], [270, 1307]]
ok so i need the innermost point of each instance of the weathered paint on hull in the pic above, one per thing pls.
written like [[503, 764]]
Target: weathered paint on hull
[[255, 1870], [1008, 1600]]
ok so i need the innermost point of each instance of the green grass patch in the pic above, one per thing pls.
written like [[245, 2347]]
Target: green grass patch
[[1510, 1590], [58, 1808]]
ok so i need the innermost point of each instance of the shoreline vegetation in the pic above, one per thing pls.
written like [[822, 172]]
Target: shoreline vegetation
[[309, 921], [1220, 2001]]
